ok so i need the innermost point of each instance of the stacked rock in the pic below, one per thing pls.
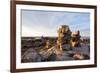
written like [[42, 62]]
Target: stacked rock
[[75, 41], [64, 36]]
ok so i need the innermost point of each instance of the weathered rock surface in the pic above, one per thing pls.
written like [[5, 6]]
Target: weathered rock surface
[[31, 55], [54, 54]]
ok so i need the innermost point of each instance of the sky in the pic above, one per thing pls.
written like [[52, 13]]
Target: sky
[[46, 23]]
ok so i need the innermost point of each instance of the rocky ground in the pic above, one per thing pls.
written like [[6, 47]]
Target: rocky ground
[[54, 54]]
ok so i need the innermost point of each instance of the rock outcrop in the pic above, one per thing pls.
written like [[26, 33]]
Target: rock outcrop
[[67, 46], [64, 36], [75, 41]]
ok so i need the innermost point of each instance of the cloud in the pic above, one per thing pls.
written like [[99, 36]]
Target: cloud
[[37, 31], [46, 23]]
